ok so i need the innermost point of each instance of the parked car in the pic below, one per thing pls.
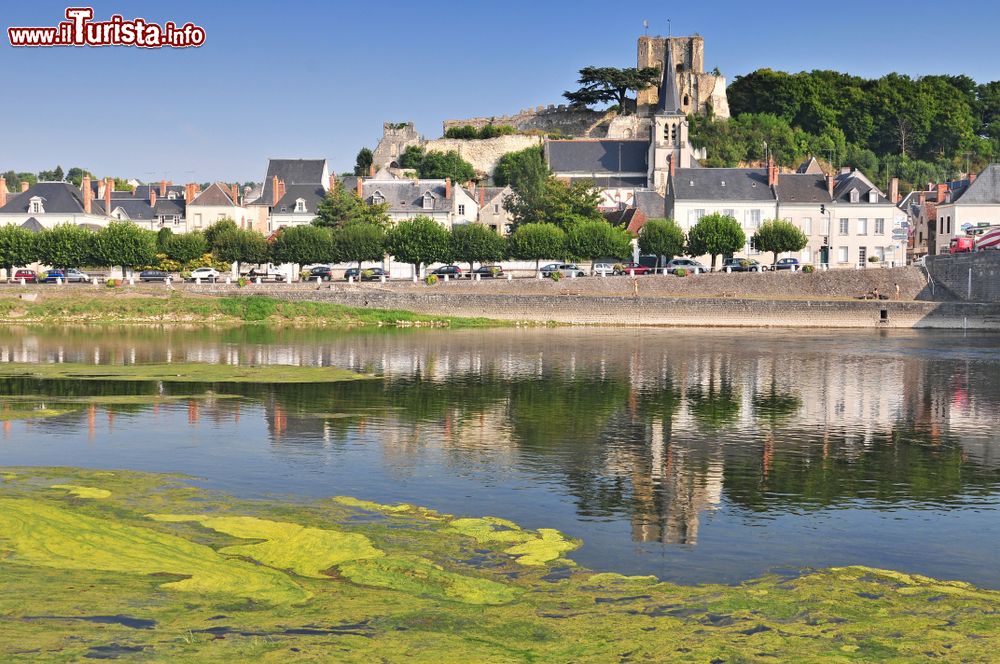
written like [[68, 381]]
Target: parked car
[[205, 274], [53, 275], [74, 275], [365, 274], [634, 268], [489, 272], [264, 274], [324, 272], [453, 271], [685, 263], [787, 264], [566, 269], [605, 266], [743, 265], [147, 276], [29, 276]]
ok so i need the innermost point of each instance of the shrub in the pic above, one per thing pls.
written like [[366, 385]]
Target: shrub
[[367, 274], [744, 264], [242, 282], [808, 269], [430, 279], [618, 268], [113, 283], [873, 259], [555, 276], [304, 275], [185, 274], [681, 272]]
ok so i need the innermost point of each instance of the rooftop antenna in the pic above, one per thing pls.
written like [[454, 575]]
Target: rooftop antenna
[[670, 32], [645, 26]]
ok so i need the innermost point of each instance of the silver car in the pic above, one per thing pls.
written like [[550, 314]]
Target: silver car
[[566, 269], [74, 275], [687, 264]]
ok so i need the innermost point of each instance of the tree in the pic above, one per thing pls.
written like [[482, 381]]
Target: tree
[[125, 244], [611, 84], [661, 237], [302, 245], [186, 247], [779, 236], [437, 165], [412, 157], [418, 241], [363, 162], [534, 242], [476, 243], [162, 239], [594, 239], [17, 247], [359, 242], [341, 207], [241, 246], [555, 203], [218, 229], [522, 170], [715, 234], [65, 245], [75, 175]]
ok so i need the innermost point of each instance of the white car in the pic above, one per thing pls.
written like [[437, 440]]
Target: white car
[[687, 264], [205, 274]]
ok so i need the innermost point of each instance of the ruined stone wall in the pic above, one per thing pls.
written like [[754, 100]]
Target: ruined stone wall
[[569, 121], [483, 154], [396, 137], [698, 90]]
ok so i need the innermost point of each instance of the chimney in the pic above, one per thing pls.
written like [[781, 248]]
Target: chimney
[[280, 192], [163, 188], [333, 182], [371, 170], [87, 194], [923, 198], [972, 178], [235, 195], [24, 186], [447, 188], [482, 198], [772, 174], [3, 191], [190, 191], [673, 168], [360, 188], [109, 185], [829, 185], [152, 197], [894, 190], [942, 190]]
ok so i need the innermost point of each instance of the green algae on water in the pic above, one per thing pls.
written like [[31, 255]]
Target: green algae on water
[[182, 372], [83, 491]]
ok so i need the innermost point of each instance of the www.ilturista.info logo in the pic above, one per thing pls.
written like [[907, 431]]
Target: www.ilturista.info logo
[[80, 30]]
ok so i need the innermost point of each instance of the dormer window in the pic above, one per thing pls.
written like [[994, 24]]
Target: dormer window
[[873, 196], [300, 205], [428, 202], [35, 205], [377, 198], [171, 195], [855, 196], [284, 208]]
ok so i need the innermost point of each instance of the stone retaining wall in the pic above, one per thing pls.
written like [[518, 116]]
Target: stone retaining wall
[[953, 274]]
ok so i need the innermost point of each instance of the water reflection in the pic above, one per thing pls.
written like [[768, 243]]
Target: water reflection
[[659, 431]]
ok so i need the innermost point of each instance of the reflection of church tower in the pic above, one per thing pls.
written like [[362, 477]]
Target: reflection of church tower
[[670, 146]]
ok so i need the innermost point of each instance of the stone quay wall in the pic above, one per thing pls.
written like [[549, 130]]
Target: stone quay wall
[[972, 277]]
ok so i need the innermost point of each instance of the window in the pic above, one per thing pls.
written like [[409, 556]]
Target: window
[[855, 196], [171, 195], [842, 256], [35, 205], [393, 150], [496, 208], [729, 213], [949, 225], [284, 208], [826, 226], [807, 225], [873, 196], [862, 227], [300, 205], [197, 220], [806, 255], [844, 226], [862, 255], [754, 219], [461, 209], [880, 227], [377, 199], [428, 202]]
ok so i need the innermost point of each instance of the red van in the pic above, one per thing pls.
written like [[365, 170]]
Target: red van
[[961, 245]]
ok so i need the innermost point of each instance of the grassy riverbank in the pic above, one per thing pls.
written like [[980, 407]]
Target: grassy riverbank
[[137, 566], [180, 372], [85, 306]]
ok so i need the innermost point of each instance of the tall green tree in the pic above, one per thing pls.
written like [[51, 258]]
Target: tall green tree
[[611, 84], [218, 229], [662, 238], [419, 241], [778, 236], [537, 242], [124, 244], [241, 246], [342, 207], [524, 171], [363, 162], [556, 203], [302, 245], [75, 175], [476, 243], [715, 234], [65, 245], [163, 238], [595, 239], [186, 247], [358, 243], [18, 247]]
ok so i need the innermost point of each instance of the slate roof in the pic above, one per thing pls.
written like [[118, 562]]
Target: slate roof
[[845, 182], [984, 191], [669, 103], [652, 204], [803, 188], [312, 194], [57, 197], [142, 191], [215, 195], [408, 195], [612, 181], [33, 225], [136, 209], [292, 172], [167, 207], [489, 193], [811, 167], [706, 184], [620, 217], [597, 157]]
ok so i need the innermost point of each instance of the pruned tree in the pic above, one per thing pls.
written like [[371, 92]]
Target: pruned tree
[[186, 247], [125, 244], [65, 245], [418, 241], [662, 238], [536, 242], [358, 243], [18, 247], [476, 243], [302, 245], [778, 236], [594, 239], [715, 234]]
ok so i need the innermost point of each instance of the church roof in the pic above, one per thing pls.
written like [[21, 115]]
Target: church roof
[[670, 101], [597, 157]]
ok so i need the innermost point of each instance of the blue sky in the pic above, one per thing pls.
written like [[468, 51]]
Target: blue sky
[[317, 79]]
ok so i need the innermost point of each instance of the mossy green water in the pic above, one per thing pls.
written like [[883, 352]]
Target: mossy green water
[[220, 580], [83, 491], [181, 372]]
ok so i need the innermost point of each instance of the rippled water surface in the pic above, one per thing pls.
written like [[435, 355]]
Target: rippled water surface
[[693, 455]]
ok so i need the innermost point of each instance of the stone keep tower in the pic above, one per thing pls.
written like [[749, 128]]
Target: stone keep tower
[[697, 91], [396, 137]]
